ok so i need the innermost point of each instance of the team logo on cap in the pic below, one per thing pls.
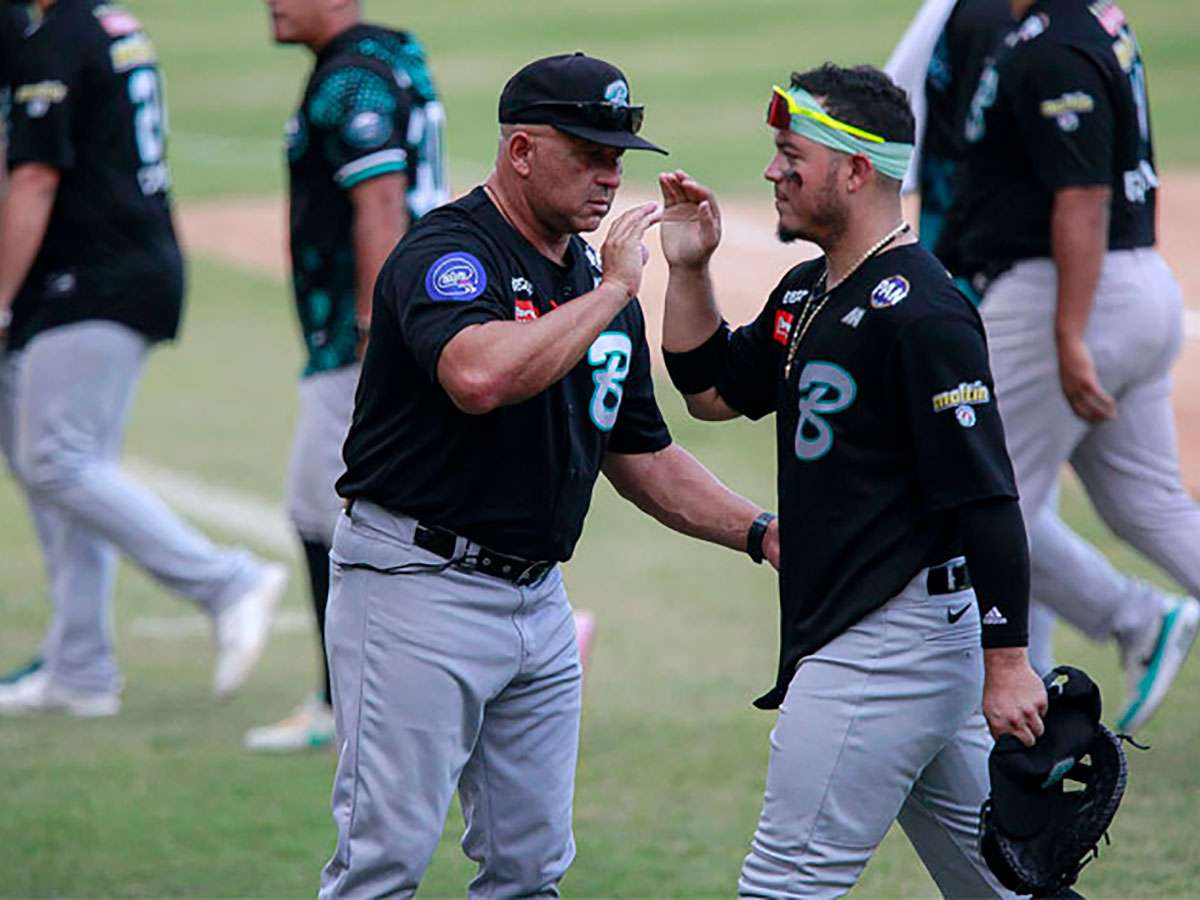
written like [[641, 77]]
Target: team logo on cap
[[617, 93], [889, 292], [457, 276]]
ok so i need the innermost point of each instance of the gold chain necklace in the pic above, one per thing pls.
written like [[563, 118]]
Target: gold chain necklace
[[816, 301]]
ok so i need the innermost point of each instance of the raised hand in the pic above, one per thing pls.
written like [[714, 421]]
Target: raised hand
[[691, 223], [623, 254]]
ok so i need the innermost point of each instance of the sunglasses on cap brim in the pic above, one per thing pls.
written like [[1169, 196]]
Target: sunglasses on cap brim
[[783, 106], [593, 113]]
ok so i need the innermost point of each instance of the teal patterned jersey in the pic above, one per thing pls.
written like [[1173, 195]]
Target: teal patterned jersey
[[369, 108]]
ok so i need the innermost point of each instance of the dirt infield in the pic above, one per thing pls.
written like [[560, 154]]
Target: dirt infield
[[250, 234]]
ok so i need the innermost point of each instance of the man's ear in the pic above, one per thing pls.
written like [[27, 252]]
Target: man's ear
[[518, 150], [860, 173]]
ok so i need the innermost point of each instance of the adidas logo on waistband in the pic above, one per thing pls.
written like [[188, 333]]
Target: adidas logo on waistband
[[994, 617]]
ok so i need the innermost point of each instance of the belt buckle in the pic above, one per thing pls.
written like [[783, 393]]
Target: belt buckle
[[533, 573]]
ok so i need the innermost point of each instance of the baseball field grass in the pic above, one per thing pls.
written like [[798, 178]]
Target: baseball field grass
[[162, 801]]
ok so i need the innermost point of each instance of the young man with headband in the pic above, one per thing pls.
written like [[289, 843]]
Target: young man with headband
[[892, 477]]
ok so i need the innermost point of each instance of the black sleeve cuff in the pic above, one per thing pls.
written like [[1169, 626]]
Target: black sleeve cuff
[[993, 537], [694, 371]]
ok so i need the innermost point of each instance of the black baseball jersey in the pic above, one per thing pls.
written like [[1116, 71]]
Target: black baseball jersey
[[964, 46], [369, 108], [519, 479], [13, 22], [89, 102], [886, 424], [1063, 104]]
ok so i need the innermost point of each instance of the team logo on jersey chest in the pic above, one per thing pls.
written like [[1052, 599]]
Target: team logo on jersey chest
[[889, 292], [825, 389], [456, 276], [610, 356]]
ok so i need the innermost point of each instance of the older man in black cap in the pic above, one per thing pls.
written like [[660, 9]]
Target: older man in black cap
[[507, 366]]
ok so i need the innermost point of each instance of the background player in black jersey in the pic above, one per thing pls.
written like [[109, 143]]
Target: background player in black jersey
[[88, 252], [939, 62], [1054, 222], [365, 158], [14, 19], [507, 366], [892, 469]]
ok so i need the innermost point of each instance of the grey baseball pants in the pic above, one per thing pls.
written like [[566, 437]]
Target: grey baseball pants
[[57, 535], [445, 679], [326, 405], [882, 724], [1129, 466], [73, 395]]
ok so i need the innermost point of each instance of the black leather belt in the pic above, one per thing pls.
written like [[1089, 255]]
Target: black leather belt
[[519, 571], [948, 578]]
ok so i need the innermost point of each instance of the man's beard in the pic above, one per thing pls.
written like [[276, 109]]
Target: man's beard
[[828, 222]]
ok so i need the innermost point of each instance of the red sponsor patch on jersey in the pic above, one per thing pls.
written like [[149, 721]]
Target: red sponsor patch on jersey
[[783, 326], [525, 311], [1110, 16], [118, 22]]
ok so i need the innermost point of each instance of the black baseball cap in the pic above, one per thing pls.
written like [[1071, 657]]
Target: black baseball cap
[[579, 95], [1027, 782]]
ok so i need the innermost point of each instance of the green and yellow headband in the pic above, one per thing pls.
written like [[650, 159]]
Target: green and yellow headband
[[798, 111]]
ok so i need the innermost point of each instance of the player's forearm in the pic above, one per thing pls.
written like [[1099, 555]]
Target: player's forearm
[[1078, 240], [503, 363], [690, 313], [993, 538], [24, 218], [380, 220], [673, 487]]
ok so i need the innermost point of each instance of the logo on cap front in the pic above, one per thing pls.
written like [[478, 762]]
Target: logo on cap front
[[617, 93]]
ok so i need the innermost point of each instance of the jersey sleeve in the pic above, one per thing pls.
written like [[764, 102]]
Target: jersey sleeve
[[1065, 113], [436, 289], [640, 427], [362, 117], [44, 93], [747, 379], [940, 368]]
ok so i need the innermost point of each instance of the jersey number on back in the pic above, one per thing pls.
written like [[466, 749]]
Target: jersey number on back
[[824, 389], [613, 350]]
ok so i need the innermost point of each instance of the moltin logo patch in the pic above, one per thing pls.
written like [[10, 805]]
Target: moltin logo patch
[[457, 276]]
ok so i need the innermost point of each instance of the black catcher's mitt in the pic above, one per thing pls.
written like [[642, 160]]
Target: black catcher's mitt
[[1052, 803]]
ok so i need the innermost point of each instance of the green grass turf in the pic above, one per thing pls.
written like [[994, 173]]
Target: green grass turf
[[162, 801], [702, 67]]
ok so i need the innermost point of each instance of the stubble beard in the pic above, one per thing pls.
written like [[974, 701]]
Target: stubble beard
[[827, 224]]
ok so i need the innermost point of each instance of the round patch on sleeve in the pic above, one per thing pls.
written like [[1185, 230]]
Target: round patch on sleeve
[[367, 129], [889, 292], [457, 276]]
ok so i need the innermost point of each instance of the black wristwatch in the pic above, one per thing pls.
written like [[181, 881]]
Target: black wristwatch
[[754, 537]]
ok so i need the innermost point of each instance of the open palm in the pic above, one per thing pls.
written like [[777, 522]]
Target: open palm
[[691, 222]]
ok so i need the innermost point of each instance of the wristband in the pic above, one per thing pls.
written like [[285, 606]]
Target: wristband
[[695, 370], [754, 537]]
